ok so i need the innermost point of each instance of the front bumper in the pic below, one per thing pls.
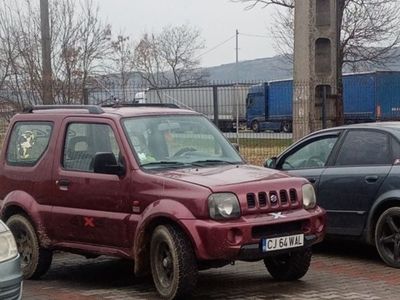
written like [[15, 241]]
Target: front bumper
[[240, 239], [11, 279]]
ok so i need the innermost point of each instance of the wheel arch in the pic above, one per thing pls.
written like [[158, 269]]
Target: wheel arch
[[386, 201], [142, 242], [19, 202], [13, 209]]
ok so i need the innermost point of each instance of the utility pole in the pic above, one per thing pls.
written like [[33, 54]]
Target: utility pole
[[47, 90], [237, 87], [237, 48], [315, 66]]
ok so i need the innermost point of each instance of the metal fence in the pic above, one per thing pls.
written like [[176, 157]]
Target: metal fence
[[225, 104], [258, 115], [2, 131]]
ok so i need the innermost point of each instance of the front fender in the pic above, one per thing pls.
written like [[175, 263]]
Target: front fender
[[390, 196], [22, 202], [168, 209], [160, 212]]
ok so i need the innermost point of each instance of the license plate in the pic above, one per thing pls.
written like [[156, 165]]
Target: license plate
[[284, 242]]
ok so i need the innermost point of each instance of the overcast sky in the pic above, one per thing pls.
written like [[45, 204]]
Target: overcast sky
[[217, 20]]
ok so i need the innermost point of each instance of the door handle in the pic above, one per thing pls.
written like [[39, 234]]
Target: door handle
[[311, 180], [371, 178], [63, 183]]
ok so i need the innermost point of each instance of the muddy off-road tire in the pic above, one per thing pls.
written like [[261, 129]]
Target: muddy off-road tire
[[173, 263], [35, 260], [290, 266]]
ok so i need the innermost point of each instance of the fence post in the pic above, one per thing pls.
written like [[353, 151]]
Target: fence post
[[323, 106], [215, 102], [85, 96]]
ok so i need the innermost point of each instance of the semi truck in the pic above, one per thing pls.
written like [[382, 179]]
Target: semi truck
[[367, 97]]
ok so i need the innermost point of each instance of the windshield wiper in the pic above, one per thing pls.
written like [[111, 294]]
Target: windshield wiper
[[213, 161], [164, 163]]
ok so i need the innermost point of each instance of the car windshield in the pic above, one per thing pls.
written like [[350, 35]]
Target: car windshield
[[177, 141]]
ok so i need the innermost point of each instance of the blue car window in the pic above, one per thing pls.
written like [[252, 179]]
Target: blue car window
[[313, 154], [364, 147]]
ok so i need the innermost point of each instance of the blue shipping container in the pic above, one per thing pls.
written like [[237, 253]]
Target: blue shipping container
[[388, 95], [359, 97], [367, 97], [280, 100]]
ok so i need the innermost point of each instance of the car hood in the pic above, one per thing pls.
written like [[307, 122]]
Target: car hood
[[223, 175]]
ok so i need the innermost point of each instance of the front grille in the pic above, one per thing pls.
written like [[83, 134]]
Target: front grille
[[11, 292], [293, 195], [251, 200], [262, 199], [277, 229], [283, 196], [272, 199]]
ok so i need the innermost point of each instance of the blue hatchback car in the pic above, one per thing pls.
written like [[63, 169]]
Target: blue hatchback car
[[10, 266], [355, 171]]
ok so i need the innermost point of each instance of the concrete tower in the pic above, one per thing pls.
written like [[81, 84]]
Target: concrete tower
[[315, 66]]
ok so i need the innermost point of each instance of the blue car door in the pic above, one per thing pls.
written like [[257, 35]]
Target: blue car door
[[348, 188]]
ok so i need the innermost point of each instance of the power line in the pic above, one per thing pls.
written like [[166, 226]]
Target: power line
[[255, 35], [217, 46]]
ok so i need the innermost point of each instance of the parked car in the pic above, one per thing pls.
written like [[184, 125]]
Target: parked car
[[10, 266], [355, 171], [157, 185]]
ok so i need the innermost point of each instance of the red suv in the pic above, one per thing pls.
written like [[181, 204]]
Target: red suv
[[157, 185]]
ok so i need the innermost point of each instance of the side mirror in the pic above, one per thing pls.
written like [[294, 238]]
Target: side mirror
[[270, 163], [236, 146], [105, 163]]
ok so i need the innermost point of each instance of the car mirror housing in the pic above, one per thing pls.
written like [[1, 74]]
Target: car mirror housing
[[105, 163], [270, 163]]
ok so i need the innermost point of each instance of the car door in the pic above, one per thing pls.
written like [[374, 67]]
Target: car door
[[310, 157], [348, 188], [89, 207]]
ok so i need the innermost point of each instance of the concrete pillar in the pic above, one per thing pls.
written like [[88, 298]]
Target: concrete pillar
[[315, 66]]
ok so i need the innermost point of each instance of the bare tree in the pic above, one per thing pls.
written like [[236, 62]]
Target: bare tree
[[148, 62], [178, 47], [169, 58], [80, 42], [122, 58], [370, 30], [94, 43]]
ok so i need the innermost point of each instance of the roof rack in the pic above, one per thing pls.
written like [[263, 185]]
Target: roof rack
[[167, 105], [92, 109]]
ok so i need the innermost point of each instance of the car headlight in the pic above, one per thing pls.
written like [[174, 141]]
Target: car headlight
[[309, 198], [223, 206], [8, 248]]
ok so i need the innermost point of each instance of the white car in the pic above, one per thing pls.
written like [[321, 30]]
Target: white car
[[10, 266]]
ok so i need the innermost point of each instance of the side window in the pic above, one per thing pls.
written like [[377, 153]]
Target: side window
[[83, 141], [396, 150], [364, 148], [249, 100], [312, 155], [28, 142]]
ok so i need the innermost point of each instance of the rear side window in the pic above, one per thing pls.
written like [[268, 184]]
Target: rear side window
[[365, 148], [28, 142]]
